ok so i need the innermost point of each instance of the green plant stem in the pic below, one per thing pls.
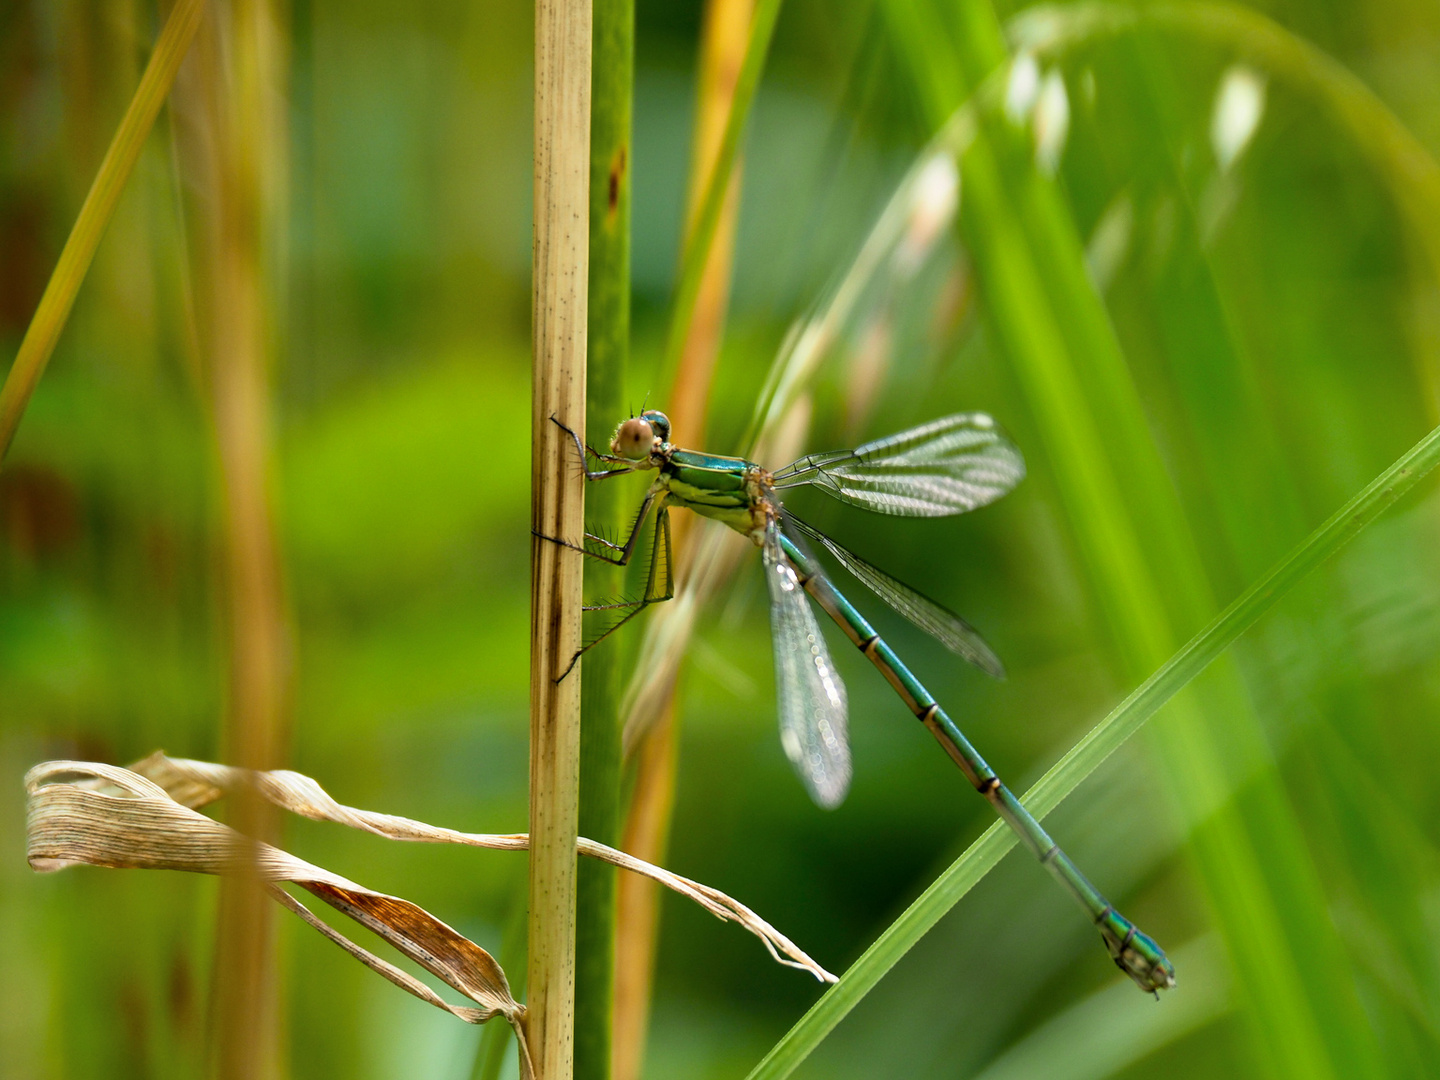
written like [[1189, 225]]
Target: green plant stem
[[95, 213], [612, 81], [1085, 756], [697, 246]]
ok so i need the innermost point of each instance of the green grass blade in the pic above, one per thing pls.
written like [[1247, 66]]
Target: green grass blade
[[707, 219], [95, 213], [612, 82], [1127, 718]]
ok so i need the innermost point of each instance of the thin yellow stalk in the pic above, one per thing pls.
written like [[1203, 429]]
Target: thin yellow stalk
[[95, 213], [559, 314], [725, 38]]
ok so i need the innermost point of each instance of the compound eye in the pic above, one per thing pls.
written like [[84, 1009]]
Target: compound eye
[[659, 422], [633, 439]]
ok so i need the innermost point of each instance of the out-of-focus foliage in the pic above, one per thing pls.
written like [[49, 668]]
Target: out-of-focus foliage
[[1275, 312]]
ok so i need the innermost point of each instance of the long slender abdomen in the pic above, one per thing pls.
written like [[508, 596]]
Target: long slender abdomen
[[1133, 952]]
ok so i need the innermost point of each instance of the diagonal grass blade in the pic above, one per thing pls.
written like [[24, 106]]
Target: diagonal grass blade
[[59, 297], [1086, 755]]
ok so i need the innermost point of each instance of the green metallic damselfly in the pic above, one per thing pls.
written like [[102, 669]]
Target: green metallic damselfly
[[944, 467]]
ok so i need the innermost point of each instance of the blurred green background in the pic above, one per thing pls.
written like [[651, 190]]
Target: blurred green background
[[1278, 316]]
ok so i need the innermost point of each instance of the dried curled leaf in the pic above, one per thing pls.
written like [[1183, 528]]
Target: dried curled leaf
[[118, 818], [198, 783], [146, 816]]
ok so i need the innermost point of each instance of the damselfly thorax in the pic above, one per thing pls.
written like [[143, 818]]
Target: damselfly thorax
[[734, 491], [731, 490]]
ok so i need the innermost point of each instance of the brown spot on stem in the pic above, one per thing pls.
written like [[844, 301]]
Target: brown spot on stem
[[617, 176]]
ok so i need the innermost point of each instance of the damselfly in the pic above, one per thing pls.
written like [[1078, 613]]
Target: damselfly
[[944, 467]]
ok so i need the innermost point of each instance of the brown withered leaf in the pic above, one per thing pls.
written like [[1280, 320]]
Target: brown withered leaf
[[147, 816], [109, 816], [198, 783]]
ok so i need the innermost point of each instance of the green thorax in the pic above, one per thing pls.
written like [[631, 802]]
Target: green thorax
[[728, 489]]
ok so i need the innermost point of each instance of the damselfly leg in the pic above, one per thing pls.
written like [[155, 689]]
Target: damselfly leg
[[615, 554], [659, 583], [659, 579]]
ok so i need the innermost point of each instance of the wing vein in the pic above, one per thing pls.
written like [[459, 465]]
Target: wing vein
[[948, 466]]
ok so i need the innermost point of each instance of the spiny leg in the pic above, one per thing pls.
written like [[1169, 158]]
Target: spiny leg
[[586, 452], [661, 570], [622, 551], [600, 474]]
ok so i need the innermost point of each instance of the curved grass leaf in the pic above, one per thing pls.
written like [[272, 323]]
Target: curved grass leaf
[[1397, 155]]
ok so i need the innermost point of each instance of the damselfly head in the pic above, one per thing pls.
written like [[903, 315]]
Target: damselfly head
[[636, 437]]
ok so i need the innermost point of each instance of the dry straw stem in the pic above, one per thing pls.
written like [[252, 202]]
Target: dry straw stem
[[562, 179], [95, 213], [145, 817]]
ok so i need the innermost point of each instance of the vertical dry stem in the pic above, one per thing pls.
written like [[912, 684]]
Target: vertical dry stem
[[562, 174]]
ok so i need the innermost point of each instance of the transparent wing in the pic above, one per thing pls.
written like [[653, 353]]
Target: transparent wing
[[944, 467], [810, 694], [935, 619]]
